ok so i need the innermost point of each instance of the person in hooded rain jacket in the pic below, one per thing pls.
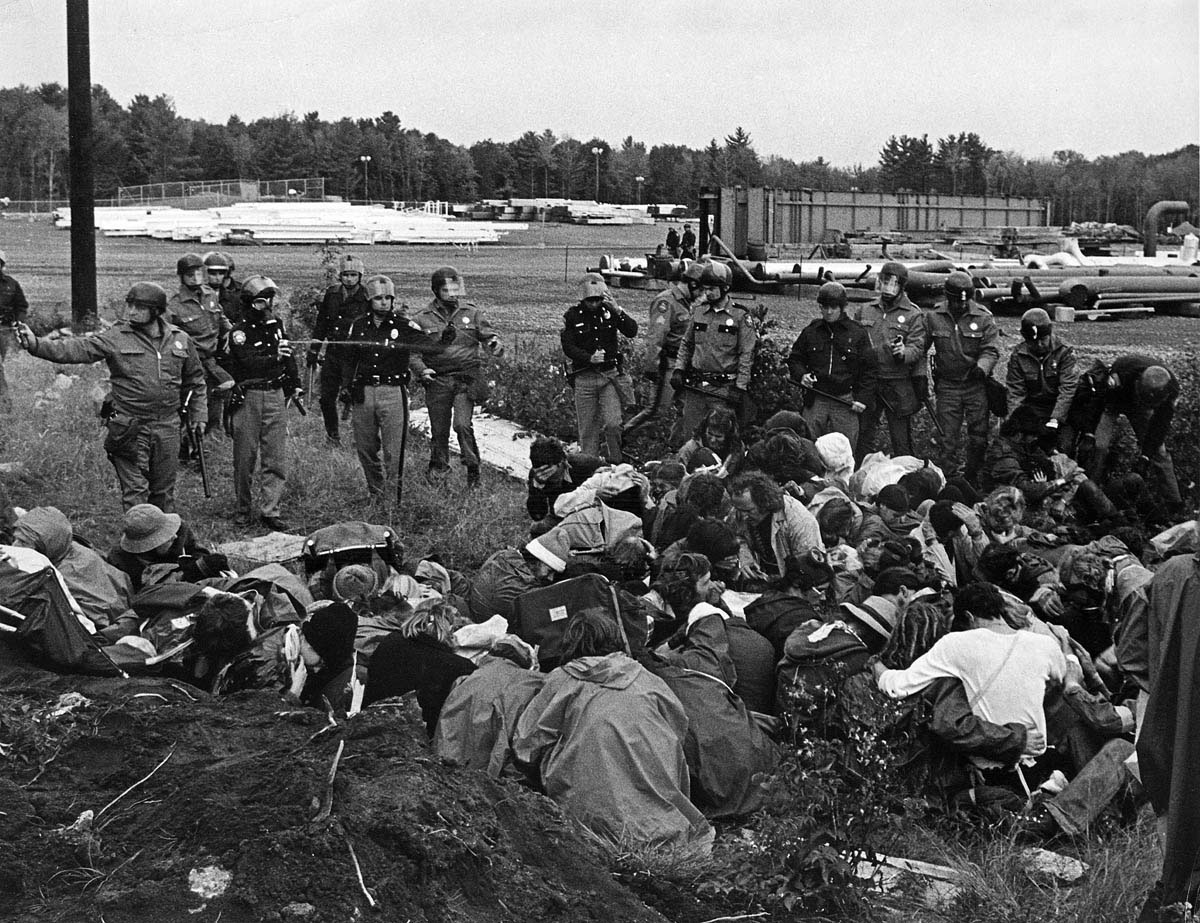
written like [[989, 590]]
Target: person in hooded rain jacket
[[606, 737]]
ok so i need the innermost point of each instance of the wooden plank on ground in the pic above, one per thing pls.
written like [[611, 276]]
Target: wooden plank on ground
[[272, 548], [502, 444]]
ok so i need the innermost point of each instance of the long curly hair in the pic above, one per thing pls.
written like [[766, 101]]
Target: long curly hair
[[677, 581], [919, 628]]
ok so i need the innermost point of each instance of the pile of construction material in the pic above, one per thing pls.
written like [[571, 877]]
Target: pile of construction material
[[573, 211], [291, 223]]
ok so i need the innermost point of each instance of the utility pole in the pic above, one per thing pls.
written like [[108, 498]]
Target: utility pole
[[597, 151], [83, 188]]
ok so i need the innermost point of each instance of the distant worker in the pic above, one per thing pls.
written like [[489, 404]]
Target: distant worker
[[1145, 392], [1042, 375], [591, 342], [264, 369], [375, 383], [716, 354], [219, 269], [154, 370], [196, 310], [687, 243], [454, 379], [833, 362], [670, 312], [14, 309], [673, 241], [896, 329], [963, 335], [343, 304]]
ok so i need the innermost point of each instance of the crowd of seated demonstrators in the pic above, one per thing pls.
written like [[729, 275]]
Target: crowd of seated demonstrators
[[704, 610]]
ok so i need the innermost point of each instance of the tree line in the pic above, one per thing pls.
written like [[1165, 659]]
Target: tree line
[[149, 142]]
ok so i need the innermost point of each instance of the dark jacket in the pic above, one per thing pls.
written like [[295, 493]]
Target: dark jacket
[[540, 501], [961, 344], [884, 324], [1113, 388], [199, 315], [185, 549], [1047, 382], [585, 331], [254, 353], [338, 311], [465, 355], [839, 354], [420, 664], [379, 350], [13, 306]]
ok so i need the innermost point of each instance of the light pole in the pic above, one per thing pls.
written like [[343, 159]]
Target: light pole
[[365, 159], [640, 180], [597, 151]]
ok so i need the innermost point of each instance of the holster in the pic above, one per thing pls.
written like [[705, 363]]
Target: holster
[[122, 438]]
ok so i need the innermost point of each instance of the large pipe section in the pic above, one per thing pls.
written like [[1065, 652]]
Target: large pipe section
[[1150, 227]]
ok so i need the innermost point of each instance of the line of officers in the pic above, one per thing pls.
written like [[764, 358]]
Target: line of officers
[[857, 372], [215, 357]]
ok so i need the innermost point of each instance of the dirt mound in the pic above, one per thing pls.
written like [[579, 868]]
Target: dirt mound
[[225, 826]]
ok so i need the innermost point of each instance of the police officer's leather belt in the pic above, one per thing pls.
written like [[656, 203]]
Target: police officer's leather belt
[[710, 380], [262, 384], [384, 380]]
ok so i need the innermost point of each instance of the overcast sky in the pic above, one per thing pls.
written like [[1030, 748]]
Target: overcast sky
[[805, 78]]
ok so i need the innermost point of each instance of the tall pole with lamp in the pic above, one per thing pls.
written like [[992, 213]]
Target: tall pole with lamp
[[639, 180], [365, 159], [597, 151]]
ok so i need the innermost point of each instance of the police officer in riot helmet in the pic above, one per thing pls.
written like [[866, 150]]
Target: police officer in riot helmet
[[341, 305], [1043, 375]]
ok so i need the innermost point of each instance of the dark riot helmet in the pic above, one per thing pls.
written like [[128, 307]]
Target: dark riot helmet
[[1035, 325], [147, 294], [959, 287]]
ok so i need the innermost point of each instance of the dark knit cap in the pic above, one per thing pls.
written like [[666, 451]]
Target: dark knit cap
[[943, 518], [546, 451], [713, 539], [894, 497], [330, 632]]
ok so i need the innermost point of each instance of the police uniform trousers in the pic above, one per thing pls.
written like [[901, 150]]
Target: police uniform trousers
[[695, 407], [331, 382], [380, 425], [598, 413], [260, 430], [450, 398], [1160, 461], [960, 402], [899, 410], [7, 344], [825, 416], [147, 471]]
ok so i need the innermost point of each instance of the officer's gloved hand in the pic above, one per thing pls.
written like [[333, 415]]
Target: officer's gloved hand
[[677, 381], [312, 360], [344, 395], [448, 335]]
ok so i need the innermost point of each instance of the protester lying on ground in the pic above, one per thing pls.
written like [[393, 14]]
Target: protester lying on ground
[[102, 591], [419, 657], [504, 577], [327, 645], [605, 737], [157, 546], [233, 653], [481, 712]]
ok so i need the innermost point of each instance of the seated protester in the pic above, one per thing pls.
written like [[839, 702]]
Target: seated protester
[[805, 592], [1033, 580], [157, 547], [891, 519], [605, 736], [876, 558], [665, 477], [838, 521], [920, 485], [327, 645], [1084, 575], [503, 578], [772, 527], [419, 658], [1136, 501], [102, 591], [1003, 512], [788, 456], [689, 594], [1006, 672], [700, 496], [481, 712], [553, 473], [355, 585], [837, 454], [819, 657], [8, 517], [626, 565], [952, 539], [591, 529], [718, 433]]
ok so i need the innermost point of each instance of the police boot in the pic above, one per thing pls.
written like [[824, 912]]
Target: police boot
[[472, 478]]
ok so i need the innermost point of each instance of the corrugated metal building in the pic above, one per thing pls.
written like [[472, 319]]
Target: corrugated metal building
[[798, 217]]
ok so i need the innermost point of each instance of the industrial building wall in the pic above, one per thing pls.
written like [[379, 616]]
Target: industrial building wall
[[798, 217]]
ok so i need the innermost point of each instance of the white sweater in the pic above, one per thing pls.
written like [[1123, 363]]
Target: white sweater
[[1011, 668]]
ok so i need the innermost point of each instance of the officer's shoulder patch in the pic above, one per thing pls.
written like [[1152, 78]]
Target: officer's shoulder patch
[[239, 337]]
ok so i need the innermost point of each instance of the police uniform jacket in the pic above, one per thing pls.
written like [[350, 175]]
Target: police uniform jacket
[[254, 358], [884, 324], [963, 343], [339, 309], [199, 315], [585, 331], [1119, 393], [380, 349], [149, 372], [670, 312], [839, 354], [719, 340], [1047, 381], [13, 306], [465, 355], [229, 296]]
